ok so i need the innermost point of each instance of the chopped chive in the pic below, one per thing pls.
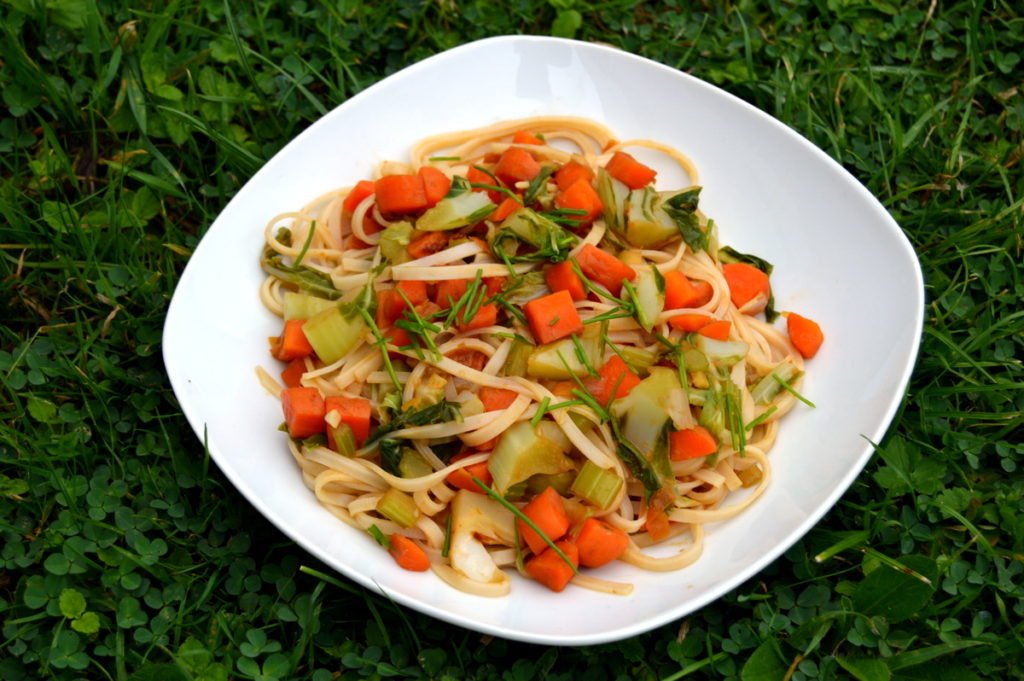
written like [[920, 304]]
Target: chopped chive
[[792, 390], [382, 345], [305, 246], [591, 402], [529, 523], [535, 184], [379, 536], [444, 158], [417, 325], [520, 565], [614, 313], [554, 320], [476, 294], [541, 410], [581, 355], [566, 211], [615, 389], [590, 288], [582, 392], [512, 336], [615, 349], [447, 546], [489, 174], [760, 419], [494, 188]]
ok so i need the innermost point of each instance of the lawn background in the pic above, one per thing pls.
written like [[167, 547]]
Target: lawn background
[[128, 126]]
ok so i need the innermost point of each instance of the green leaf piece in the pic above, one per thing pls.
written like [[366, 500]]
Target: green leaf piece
[[865, 669], [892, 593]]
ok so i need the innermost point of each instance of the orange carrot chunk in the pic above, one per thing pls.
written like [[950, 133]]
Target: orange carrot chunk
[[362, 189], [547, 511], [691, 443], [486, 315], [604, 268], [657, 523], [397, 336], [599, 543], [570, 172], [292, 343], [704, 293], [580, 195], [435, 184], [449, 291], [552, 317], [495, 399], [292, 374], [303, 411], [431, 242], [516, 165], [408, 554], [679, 291], [477, 176], [615, 379], [494, 285], [400, 194], [523, 137], [463, 478], [629, 171], [390, 307], [504, 209], [690, 321], [549, 569], [414, 290], [562, 277], [748, 286], [805, 334], [355, 411], [718, 330]]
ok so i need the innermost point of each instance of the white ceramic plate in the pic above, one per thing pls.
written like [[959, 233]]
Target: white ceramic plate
[[839, 258]]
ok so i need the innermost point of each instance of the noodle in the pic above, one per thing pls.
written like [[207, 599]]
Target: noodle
[[432, 378]]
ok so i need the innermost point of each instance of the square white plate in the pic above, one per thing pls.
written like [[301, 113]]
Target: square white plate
[[839, 258]]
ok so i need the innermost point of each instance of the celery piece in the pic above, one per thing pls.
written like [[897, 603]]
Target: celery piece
[[304, 306], [613, 197], [647, 223], [518, 358], [637, 358], [394, 242], [597, 485], [524, 451], [560, 481], [399, 507], [696, 397], [644, 411], [695, 360], [344, 439], [650, 297], [712, 414], [472, 407], [456, 211], [413, 465], [334, 332], [721, 352], [517, 491], [546, 361], [765, 390]]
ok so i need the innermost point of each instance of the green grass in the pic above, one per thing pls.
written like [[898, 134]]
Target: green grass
[[126, 555]]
